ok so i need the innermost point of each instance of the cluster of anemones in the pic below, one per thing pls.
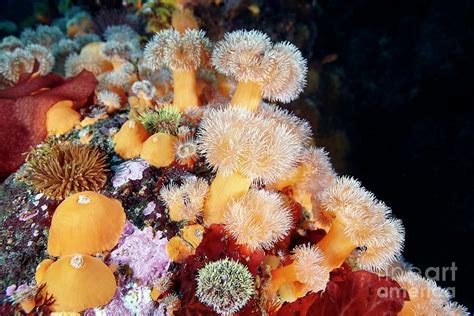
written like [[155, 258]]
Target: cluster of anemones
[[247, 164]]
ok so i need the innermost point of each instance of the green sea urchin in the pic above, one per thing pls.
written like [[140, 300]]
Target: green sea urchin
[[225, 285]]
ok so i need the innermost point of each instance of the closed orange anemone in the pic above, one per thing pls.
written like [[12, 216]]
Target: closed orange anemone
[[78, 282], [129, 140], [62, 118], [87, 223]]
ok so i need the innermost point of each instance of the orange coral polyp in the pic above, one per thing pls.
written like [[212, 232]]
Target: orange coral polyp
[[159, 150], [223, 190], [178, 249], [336, 246], [185, 90], [129, 140], [86, 223], [78, 282], [247, 95], [41, 269]]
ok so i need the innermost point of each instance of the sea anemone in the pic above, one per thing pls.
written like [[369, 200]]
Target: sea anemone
[[426, 298], [61, 169], [79, 24], [25, 61], [43, 56], [359, 221], [122, 34], [277, 73], [187, 151], [258, 220], [185, 202], [109, 17], [83, 39], [224, 285], [78, 282], [9, 71], [145, 92], [87, 223], [170, 303], [62, 118], [162, 120], [300, 127], [183, 54], [109, 99], [65, 47], [159, 149], [76, 63], [242, 147], [306, 273], [313, 175], [119, 50], [178, 249], [10, 43], [183, 20], [43, 35], [128, 142]]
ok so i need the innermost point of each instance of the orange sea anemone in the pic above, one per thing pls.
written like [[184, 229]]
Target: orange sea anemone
[[242, 147], [426, 298], [129, 140], [78, 282], [258, 220], [359, 220], [86, 223], [183, 54], [306, 273], [274, 72]]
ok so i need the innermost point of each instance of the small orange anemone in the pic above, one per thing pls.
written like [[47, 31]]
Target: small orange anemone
[[85, 222], [178, 249], [159, 150], [129, 140], [61, 118], [41, 269], [78, 282], [193, 234]]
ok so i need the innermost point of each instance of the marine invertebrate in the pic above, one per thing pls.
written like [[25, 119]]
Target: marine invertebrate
[[187, 151], [10, 43], [65, 47], [86, 223], [426, 298], [162, 120], [158, 149], [144, 252], [276, 73], [242, 147], [306, 273], [79, 24], [43, 56], [300, 127], [75, 63], [59, 170], [178, 249], [78, 282], [185, 202], [43, 35], [258, 220], [359, 220], [83, 39], [145, 91], [110, 100], [183, 54], [128, 142], [225, 286], [313, 174], [122, 34], [9, 73], [62, 118]]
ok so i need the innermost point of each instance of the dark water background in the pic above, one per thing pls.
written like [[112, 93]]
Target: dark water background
[[395, 108]]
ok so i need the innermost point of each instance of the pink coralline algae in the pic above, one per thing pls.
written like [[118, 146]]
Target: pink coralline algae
[[129, 170], [145, 253]]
